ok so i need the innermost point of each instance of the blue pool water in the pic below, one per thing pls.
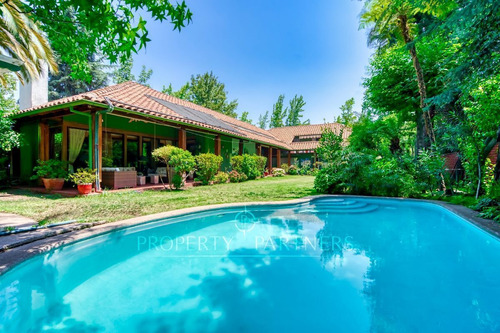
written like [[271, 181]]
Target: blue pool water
[[331, 265]]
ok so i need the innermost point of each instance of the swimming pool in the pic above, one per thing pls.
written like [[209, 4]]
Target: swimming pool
[[331, 264]]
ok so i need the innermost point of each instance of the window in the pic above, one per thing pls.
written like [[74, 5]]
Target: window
[[112, 156], [132, 151]]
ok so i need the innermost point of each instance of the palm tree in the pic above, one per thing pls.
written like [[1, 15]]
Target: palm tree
[[393, 21], [21, 39]]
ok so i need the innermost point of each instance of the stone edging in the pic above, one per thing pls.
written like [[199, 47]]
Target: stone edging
[[12, 257]]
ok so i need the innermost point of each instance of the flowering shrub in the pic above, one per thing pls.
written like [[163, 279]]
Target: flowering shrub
[[221, 177], [278, 172]]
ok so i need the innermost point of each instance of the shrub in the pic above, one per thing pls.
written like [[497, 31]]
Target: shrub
[[221, 177], [285, 167], [83, 176], [293, 170], [50, 169], [278, 172], [305, 167], [248, 165], [207, 166], [261, 164], [178, 161], [234, 176]]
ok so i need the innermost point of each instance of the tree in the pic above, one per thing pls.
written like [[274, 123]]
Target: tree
[[181, 93], [106, 26], [390, 19], [63, 84], [278, 113], [8, 137], [244, 117], [124, 73], [295, 112], [206, 90], [347, 116], [22, 39], [263, 120], [144, 76]]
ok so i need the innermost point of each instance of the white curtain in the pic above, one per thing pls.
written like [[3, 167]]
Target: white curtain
[[76, 138]]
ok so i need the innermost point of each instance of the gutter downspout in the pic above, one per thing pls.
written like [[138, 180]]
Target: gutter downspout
[[110, 109]]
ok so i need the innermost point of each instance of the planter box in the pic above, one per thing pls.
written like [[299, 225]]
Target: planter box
[[115, 178], [141, 180], [154, 179]]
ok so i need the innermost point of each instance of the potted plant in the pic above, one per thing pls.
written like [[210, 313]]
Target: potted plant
[[52, 172], [83, 178]]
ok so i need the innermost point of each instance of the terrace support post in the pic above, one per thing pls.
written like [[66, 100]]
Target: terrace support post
[[217, 148], [259, 149], [289, 158], [98, 150], [278, 158], [315, 160], [182, 138], [240, 152], [270, 159], [43, 143]]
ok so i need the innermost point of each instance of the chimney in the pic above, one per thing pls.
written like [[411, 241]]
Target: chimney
[[36, 91]]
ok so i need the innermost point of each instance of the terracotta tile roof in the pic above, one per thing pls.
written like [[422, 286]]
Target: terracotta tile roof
[[291, 135], [136, 97]]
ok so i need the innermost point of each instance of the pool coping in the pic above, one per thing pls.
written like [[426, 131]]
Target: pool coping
[[15, 256]]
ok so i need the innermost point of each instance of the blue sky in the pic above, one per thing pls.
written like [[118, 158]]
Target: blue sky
[[261, 49]]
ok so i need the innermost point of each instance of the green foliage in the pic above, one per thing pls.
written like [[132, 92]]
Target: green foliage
[[236, 177], [285, 167], [123, 73], [278, 114], [221, 177], [63, 84], [347, 116], [263, 120], [83, 176], [206, 90], [207, 166], [245, 117], [9, 138], [178, 181], [178, 161], [278, 172], [249, 165], [261, 162], [293, 170], [50, 169], [295, 112], [76, 29]]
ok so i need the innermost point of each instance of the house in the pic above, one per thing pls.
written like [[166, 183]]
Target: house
[[120, 125], [304, 139]]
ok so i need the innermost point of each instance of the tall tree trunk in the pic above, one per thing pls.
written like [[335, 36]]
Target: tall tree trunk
[[423, 120]]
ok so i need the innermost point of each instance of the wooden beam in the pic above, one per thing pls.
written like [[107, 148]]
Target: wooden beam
[[259, 149], [278, 158], [270, 159], [182, 138], [43, 144], [289, 158], [125, 150], [240, 151], [99, 147], [217, 143]]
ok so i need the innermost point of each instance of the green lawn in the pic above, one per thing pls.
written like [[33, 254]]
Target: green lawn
[[117, 206]]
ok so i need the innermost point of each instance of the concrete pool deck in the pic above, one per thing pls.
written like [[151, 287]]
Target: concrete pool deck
[[13, 256]]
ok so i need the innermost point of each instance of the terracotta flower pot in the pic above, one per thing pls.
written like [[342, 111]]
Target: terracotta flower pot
[[84, 189], [53, 184]]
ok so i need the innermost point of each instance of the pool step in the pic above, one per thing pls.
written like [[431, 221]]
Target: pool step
[[358, 208], [350, 205]]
